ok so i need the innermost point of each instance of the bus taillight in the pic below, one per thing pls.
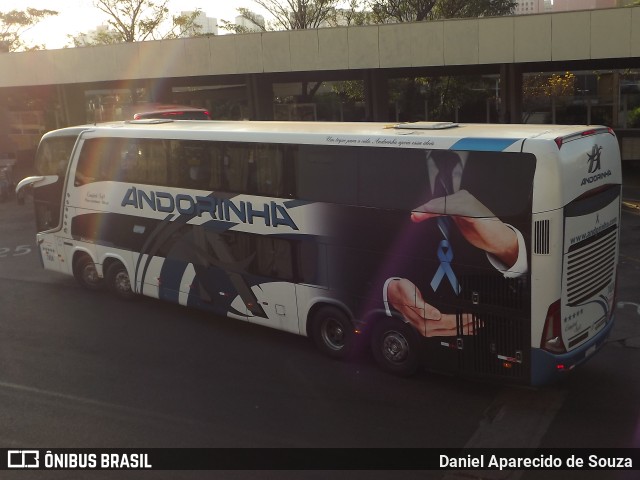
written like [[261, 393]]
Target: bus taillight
[[551, 334]]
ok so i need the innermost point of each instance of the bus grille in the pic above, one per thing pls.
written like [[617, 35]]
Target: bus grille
[[591, 265], [499, 349]]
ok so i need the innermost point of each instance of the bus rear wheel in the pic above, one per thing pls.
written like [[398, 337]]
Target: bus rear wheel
[[396, 346], [332, 332], [119, 282], [85, 272]]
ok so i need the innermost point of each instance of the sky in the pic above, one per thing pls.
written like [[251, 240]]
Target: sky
[[76, 16]]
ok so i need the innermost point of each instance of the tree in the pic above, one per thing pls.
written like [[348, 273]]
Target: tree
[[298, 14], [139, 20], [288, 15], [473, 8], [540, 89], [256, 22], [389, 11], [15, 23], [444, 95], [291, 15]]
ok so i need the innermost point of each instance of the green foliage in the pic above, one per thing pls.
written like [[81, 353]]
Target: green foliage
[[289, 15], [545, 85], [390, 11], [15, 23], [258, 24], [139, 20], [634, 118], [349, 91]]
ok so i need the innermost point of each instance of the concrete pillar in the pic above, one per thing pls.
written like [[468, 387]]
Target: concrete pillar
[[376, 96], [73, 103], [615, 114], [7, 148], [260, 95], [510, 93], [160, 90]]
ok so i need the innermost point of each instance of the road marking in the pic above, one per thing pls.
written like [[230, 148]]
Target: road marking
[[122, 410], [624, 304], [517, 418], [627, 257]]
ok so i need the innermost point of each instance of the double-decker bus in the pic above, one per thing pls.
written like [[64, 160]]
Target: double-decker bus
[[481, 250]]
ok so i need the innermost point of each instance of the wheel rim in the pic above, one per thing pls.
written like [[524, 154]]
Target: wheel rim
[[395, 347], [122, 283], [333, 334], [90, 274]]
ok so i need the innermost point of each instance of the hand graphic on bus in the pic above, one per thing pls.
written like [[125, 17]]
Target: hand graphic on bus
[[479, 226], [482, 229], [405, 297]]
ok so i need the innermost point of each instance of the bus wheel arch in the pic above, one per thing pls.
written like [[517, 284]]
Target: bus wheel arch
[[331, 329], [396, 346], [86, 272], [118, 280]]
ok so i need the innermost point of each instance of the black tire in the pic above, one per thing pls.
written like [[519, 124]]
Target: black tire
[[396, 346], [119, 282], [332, 332], [84, 271]]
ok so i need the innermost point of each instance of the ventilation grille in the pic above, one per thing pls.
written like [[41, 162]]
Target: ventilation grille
[[541, 237], [591, 265]]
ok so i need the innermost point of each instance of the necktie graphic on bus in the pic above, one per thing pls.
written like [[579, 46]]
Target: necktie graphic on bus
[[444, 186]]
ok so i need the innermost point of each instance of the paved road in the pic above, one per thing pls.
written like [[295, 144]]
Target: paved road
[[79, 369]]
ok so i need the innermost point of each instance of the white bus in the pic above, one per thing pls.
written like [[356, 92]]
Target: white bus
[[481, 250]]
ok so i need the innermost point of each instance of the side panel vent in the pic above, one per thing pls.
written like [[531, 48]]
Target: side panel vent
[[541, 237]]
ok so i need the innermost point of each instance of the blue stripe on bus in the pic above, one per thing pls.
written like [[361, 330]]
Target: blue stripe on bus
[[484, 144], [171, 275]]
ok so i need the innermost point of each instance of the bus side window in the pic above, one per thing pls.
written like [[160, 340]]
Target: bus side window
[[274, 258], [215, 153], [86, 170], [236, 165], [327, 174], [155, 157], [263, 256], [132, 168], [105, 159], [269, 170], [145, 161], [401, 173], [196, 166]]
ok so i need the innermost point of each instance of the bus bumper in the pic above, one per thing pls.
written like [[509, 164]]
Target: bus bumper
[[548, 367]]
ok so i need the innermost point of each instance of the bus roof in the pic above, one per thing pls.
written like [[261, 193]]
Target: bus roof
[[489, 137]]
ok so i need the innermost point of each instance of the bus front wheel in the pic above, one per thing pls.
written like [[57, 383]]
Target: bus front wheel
[[332, 332], [85, 272], [118, 281], [395, 346]]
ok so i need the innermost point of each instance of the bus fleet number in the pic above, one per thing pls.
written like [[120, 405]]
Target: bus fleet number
[[18, 251]]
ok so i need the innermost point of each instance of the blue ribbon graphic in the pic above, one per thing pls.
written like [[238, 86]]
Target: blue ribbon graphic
[[445, 255]]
